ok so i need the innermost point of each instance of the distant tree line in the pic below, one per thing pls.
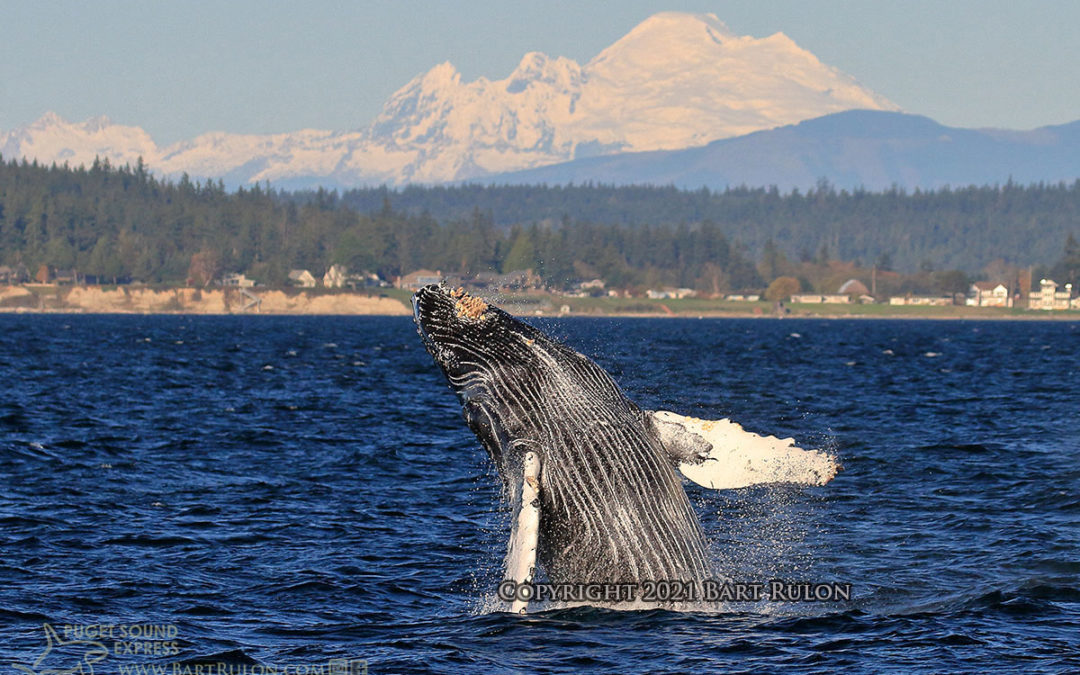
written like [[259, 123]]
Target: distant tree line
[[962, 228], [114, 223]]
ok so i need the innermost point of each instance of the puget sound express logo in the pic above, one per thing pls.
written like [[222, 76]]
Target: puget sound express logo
[[150, 649]]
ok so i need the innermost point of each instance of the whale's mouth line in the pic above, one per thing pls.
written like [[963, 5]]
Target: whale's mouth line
[[416, 318]]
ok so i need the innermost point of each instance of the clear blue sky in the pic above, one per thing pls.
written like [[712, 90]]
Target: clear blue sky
[[183, 68]]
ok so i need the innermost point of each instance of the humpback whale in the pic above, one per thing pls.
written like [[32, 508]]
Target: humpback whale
[[593, 479]]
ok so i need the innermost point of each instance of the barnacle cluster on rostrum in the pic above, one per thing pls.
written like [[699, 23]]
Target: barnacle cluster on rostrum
[[467, 305]]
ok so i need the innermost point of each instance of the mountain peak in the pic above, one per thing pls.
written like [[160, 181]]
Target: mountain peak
[[49, 119], [441, 75], [668, 36], [536, 67], [98, 123], [685, 24], [532, 65]]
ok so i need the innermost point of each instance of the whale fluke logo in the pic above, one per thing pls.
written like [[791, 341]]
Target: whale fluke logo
[[77, 657]]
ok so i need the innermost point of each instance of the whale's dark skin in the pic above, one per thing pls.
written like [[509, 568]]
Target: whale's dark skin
[[612, 506]]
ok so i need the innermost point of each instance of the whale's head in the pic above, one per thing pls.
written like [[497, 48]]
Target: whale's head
[[478, 346], [503, 370], [468, 338]]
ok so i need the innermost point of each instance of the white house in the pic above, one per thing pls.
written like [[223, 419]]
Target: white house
[[335, 276], [1049, 297], [670, 293], [302, 278], [989, 294]]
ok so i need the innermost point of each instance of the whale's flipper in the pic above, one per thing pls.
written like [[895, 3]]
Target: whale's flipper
[[521, 558], [733, 457]]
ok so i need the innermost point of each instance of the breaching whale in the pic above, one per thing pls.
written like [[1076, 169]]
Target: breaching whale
[[593, 478]]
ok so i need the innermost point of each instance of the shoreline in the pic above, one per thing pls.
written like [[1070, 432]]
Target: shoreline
[[145, 300], [52, 299]]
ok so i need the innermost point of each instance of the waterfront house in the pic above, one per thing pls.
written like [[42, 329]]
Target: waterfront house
[[302, 278], [671, 293], [1048, 297], [336, 276], [989, 294]]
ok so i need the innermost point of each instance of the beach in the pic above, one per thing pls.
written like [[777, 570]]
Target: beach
[[148, 300]]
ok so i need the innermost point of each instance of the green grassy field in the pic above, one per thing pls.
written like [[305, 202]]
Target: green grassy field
[[691, 307], [916, 311]]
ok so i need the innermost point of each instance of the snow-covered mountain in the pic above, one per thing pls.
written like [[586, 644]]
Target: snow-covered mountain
[[675, 81], [52, 139]]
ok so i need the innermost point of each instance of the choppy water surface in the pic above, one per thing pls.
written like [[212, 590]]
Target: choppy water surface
[[280, 492]]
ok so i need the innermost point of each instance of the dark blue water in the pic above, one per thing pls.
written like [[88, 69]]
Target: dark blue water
[[280, 492]]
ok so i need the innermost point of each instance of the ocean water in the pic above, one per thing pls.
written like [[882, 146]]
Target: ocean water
[[301, 495]]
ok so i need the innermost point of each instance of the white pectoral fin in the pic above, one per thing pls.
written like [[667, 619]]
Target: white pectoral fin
[[737, 457], [524, 536]]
